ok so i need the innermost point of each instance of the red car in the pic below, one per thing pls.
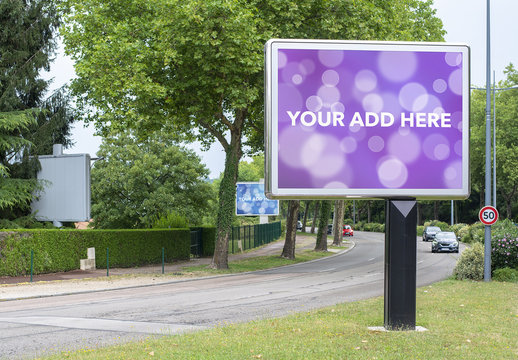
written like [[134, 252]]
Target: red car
[[348, 230]]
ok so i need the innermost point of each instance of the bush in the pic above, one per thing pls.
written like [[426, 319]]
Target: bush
[[444, 226], [470, 264], [504, 228], [420, 229], [506, 274], [504, 253], [208, 239], [172, 220], [61, 250], [461, 230]]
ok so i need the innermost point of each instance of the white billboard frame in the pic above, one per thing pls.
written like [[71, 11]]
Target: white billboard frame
[[272, 188]]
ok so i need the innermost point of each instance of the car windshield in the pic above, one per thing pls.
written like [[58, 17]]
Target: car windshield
[[433, 228], [446, 235], [347, 227]]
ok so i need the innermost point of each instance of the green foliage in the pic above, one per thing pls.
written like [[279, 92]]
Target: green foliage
[[196, 67], [25, 222], [253, 170], [61, 250], [506, 274], [28, 125], [374, 227], [137, 181], [171, 220], [506, 141], [504, 252], [444, 226], [470, 265], [208, 238], [420, 229]]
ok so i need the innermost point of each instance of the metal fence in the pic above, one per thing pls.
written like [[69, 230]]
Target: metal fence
[[196, 242], [252, 236]]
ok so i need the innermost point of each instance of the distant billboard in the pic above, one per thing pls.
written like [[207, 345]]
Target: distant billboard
[[66, 193], [366, 119], [251, 200]]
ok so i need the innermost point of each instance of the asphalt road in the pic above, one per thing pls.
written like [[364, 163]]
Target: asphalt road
[[34, 327]]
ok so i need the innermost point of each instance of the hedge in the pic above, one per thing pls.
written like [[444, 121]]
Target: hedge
[[58, 250]]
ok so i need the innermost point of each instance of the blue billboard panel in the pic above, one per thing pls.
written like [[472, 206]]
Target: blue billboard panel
[[251, 200]]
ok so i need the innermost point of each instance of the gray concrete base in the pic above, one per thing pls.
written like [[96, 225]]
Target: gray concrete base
[[383, 329], [87, 264]]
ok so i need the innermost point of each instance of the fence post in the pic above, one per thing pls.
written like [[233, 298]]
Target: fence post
[[107, 261], [32, 262]]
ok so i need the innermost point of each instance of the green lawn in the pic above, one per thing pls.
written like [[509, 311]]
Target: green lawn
[[255, 263], [466, 320]]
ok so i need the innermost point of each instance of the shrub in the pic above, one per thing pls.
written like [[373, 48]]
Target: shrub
[[171, 220], [470, 264], [476, 233], [506, 274], [461, 230], [420, 229], [504, 253], [60, 250], [444, 226], [504, 228]]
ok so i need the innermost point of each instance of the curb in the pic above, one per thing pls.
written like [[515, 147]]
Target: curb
[[353, 244]]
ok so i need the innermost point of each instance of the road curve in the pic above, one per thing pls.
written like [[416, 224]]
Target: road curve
[[34, 327]]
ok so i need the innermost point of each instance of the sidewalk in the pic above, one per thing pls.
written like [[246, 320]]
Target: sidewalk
[[78, 281]]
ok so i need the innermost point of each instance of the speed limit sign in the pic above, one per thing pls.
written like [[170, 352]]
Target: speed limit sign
[[488, 215]]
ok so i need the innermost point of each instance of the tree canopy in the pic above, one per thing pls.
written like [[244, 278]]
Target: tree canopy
[[134, 182], [196, 66], [29, 123], [506, 141]]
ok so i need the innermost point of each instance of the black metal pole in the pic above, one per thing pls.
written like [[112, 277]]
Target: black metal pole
[[400, 264]]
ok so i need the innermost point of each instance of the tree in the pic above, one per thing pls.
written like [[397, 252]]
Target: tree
[[288, 250], [305, 219], [135, 182], [506, 140], [252, 171], [338, 223], [325, 212], [315, 215], [197, 66], [28, 123]]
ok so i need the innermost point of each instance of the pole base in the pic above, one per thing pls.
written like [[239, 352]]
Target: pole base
[[384, 329]]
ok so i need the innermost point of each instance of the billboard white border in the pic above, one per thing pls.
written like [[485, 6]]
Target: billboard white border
[[271, 187]]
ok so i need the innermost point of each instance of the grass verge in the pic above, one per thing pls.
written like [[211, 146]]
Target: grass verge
[[255, 263], [470, 320]]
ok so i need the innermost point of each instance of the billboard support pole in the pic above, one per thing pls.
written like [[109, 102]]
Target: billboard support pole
[[400, 264]]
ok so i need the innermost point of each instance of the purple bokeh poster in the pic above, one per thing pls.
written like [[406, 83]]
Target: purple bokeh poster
[[366, 119]]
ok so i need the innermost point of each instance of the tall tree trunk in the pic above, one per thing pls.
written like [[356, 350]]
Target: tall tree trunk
[[227, 201], [339, 223], [419, 214], [305, 216], [325, 211], [315, 215], [436, 210], [288, 251], [368, 211]]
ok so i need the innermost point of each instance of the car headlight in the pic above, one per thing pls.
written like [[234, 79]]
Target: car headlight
[[434, 242], [455, 243]]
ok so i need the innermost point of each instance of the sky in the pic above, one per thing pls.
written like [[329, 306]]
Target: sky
[[464, 21]]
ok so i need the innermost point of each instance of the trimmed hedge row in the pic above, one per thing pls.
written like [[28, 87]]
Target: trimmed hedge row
[[58, 250]]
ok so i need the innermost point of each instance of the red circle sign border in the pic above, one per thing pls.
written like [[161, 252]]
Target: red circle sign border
[[489, 223]]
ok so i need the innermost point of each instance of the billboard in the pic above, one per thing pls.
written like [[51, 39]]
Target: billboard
[[66, 193], [366, 119], [251, 200]]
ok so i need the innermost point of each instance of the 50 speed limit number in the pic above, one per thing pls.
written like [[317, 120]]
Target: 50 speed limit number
[[488, 215]]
